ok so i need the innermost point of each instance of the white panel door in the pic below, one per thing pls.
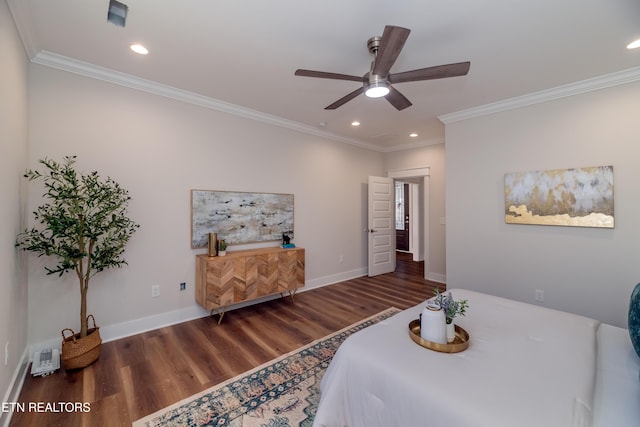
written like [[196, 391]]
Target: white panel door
[[381, 229]]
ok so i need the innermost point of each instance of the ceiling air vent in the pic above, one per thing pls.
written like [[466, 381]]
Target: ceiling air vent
[[117, 13]]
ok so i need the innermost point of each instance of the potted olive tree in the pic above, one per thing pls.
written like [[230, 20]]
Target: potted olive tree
[[83, 224]]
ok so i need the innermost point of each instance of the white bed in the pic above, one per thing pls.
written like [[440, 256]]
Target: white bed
[[525, 366]]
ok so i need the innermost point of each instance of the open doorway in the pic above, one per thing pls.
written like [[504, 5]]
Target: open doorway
[[418, 234], [403, 215], [381, 242], [407, 215]]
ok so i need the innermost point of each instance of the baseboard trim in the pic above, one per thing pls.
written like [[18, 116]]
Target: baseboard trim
[[145, 324], [437, 277], [334, 278], [15, 386]]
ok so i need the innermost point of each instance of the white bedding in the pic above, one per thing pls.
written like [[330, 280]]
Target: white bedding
[[525, 366], [617, 397]]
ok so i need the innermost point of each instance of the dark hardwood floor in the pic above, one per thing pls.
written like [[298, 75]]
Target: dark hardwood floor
[[138, 375]]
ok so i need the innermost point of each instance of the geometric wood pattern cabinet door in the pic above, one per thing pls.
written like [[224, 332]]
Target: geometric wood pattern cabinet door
[[290, 270], [246, 275]]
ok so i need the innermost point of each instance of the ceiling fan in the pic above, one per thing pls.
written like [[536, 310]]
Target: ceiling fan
[[378, 82]]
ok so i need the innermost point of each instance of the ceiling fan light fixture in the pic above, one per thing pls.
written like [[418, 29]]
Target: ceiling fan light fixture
[[376, 87], [377, 91]]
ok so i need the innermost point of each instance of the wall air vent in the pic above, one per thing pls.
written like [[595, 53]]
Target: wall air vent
[[117, 13]]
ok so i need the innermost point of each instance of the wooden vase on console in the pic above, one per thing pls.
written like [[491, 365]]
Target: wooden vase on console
[[213, 244]]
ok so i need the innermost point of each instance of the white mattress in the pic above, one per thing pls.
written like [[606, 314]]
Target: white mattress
[[525, 366], [617, 397]]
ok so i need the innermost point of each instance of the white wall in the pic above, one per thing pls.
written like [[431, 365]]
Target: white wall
[[581, 270], [13, 161], [432, 156], [159, 149]]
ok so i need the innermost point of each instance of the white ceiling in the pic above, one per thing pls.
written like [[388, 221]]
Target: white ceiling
[[244, 53]]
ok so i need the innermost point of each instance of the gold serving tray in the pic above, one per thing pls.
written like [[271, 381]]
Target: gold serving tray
[[460, 343]]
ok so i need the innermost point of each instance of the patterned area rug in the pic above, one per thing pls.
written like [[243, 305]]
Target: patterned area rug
[[281, 393]]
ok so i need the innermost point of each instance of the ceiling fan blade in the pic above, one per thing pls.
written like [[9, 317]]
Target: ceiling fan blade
[[429, 73], [397, 99], [391, 43], [325, 75], [345, 99]]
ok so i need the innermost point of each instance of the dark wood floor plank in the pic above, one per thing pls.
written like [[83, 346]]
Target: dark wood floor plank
[[141, 374]]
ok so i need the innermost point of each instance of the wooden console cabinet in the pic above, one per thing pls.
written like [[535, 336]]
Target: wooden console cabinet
[[245, 275]]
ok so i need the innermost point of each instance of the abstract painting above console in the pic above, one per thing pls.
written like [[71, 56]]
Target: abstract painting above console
[[239, 217], [581, 197]]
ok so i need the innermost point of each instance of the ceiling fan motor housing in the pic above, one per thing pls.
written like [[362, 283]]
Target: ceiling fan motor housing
[[373, 44], [375, 86]]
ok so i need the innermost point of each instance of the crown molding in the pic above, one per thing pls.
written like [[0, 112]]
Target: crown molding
[[64, 63], [417, 144], [86, 69], [609, 80]]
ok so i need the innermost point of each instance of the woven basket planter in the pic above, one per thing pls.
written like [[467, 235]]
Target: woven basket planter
[[78, 353]]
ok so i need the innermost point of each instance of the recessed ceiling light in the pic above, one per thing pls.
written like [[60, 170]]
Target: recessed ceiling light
[[138, 48], [413, 135], [634, 44], [355, 123]]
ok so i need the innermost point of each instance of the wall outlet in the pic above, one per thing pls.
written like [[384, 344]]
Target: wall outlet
[[341, 259], [155, 291], [183, 286], [539, 295]]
